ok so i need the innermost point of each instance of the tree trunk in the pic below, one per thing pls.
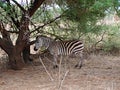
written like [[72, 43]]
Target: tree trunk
[[20, 53], [26, 54], [16, 60]]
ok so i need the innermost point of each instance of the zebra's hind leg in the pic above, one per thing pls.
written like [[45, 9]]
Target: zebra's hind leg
[[78, 66], [55, 66], [55, 61], [80, 63]]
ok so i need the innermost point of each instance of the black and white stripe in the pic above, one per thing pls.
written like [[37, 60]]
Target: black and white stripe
[[56, 48]]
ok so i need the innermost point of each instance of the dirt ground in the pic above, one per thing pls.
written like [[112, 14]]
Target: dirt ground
[[98, 73]]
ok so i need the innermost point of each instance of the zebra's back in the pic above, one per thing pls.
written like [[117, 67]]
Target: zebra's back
[[72, 47]]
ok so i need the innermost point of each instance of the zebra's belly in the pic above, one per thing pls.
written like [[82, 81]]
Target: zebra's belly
[[63, 54]]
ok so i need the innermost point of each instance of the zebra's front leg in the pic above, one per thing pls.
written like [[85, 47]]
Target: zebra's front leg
[[55, 61], [79, 65]]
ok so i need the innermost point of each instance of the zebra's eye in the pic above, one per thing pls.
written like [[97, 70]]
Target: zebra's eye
[[37, 41]]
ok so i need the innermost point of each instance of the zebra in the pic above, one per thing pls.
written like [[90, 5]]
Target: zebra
[[56, 48]]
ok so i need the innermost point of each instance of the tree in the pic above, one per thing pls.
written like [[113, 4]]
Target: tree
[[18, 53]]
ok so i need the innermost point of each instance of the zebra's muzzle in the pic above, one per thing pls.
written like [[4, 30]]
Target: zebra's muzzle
[[35, 49]]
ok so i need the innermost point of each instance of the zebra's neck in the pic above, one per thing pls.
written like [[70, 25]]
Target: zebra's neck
[[47, 42]]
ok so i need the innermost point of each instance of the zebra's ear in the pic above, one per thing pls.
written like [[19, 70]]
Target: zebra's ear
[[37, 36]]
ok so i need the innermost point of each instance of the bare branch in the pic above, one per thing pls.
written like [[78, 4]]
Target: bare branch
[[4, 32], [16, 32], [19, 5], [64, 77], [46, 69], [51, 21], [5, 41], [56, 36], [100, 39], [36, 4]]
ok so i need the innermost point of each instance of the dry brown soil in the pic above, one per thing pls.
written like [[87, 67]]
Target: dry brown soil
[[98, 73]]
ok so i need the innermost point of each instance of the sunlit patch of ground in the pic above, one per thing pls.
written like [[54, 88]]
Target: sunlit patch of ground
[[98, 73]]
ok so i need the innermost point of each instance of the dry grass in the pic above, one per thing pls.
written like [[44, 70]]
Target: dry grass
[[98, 73]]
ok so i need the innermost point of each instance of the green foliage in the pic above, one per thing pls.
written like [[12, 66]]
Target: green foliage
[[116, 5], [79, 20], [86, 10], [85, 13], [112, 42], [5, 6]]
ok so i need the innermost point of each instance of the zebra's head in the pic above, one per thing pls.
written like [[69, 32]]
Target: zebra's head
[[38, 43], [42, 41]]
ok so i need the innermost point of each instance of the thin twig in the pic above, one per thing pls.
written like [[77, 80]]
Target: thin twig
[[102, 37], [60, 69], [49, 22], [61, 83], [46, 69]]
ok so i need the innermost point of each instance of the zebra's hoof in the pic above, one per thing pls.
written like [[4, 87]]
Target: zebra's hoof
[[78, 66], [55, 66]]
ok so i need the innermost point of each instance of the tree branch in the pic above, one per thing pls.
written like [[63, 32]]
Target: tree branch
[[102, 37], [51, 21], [4, 32], [19, 5], [36, 4], [16, 32], [10, 13], [5, 41]]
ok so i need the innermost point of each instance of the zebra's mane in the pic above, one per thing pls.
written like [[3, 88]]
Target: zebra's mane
[[43, 36]]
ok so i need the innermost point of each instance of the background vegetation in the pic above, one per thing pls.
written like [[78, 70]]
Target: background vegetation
[[95, 22]]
